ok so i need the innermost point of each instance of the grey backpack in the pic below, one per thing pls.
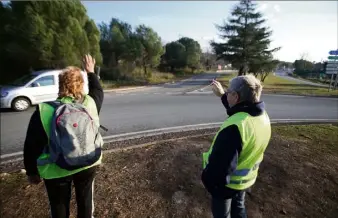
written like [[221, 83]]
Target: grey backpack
[[75, 140]]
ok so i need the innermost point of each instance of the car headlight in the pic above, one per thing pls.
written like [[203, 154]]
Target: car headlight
[[4, 94]]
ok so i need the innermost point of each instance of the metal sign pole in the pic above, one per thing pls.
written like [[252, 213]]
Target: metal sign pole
[[330, 81], [336, 80]]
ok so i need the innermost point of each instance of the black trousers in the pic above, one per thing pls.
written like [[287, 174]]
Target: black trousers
[[59, 194], [232, 207]]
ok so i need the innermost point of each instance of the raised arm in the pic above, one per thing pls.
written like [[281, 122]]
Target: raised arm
[[95, 88]]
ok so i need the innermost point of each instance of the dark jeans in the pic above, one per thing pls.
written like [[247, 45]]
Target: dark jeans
[[59, 194], [232, 207]]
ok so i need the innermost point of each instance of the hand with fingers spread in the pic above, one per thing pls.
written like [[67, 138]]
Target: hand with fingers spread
[[217, 88], [89, 63]]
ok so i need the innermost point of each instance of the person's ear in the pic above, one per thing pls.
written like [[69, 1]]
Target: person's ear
[[236, 95]]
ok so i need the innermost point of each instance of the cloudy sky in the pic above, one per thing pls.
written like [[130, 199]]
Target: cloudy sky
[[299, 27]]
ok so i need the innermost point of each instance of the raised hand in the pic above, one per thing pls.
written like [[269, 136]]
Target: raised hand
[[217, 88], [89, 63]]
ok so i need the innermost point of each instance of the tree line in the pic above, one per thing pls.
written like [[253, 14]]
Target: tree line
[[125, 49], [53, 34]]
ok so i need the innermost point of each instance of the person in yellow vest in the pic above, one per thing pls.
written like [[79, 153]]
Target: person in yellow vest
[[231, 165], [38, 144]]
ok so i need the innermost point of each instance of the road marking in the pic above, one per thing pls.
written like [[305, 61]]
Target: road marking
[[280, 95], [196, 92], [11, 154], [186, 127]]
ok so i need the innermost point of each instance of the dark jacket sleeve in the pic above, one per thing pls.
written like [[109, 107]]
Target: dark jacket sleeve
[[95, 90], [225, 101], [36, 139], [222, 160]]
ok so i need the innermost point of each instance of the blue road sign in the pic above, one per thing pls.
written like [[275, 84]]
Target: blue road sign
[[333, 52]]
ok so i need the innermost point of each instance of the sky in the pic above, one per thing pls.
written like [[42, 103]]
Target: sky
[[301, 28]]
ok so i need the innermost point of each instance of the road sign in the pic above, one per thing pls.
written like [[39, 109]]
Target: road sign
[[330, 71], [333, 52], [332, 65], [331, 68], [332, 57]]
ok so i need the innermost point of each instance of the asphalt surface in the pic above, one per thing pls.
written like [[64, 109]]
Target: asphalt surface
[[170, 105], [285, 76]]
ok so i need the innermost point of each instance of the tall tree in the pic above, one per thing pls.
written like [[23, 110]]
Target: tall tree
[[174, 55], [93, 36], [47, 34], [247, 41], [193, 52], [114, 41], [151, 48]]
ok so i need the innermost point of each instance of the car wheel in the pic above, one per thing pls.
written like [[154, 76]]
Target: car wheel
[[20, 104]]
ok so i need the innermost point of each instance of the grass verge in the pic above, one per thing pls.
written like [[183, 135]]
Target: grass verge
[[277, 85], [296, 179], [156, 78]]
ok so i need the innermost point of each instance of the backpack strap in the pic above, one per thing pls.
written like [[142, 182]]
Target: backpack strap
[[54, 104]]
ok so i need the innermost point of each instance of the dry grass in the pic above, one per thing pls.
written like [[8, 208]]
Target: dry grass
[[297, 179], [140, 80]]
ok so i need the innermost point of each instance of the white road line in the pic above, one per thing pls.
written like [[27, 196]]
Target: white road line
[[186, 127], [274, 95], [11, 154]]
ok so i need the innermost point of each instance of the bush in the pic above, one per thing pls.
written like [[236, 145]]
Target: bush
[[110, 73]]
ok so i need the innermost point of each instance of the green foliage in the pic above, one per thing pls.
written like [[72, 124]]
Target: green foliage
[[182, 53], [46, 34], [114, 42], [263, 68], [38, 35], [125, 49], [304, 67], [151, 48], [174, 55], [192, 52], [246, 39]]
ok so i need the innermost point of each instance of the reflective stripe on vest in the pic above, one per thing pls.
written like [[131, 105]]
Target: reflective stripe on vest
[[245, 172], [48, 170], [255, 134]]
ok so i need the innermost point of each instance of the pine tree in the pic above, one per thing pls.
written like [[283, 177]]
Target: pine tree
[[46, 34], [246, 39], [192, 52], [151, 48]]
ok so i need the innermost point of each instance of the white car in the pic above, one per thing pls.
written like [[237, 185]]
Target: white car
[[32, 89]]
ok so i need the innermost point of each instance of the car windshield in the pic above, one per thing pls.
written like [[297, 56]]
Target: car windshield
[[22, 80]]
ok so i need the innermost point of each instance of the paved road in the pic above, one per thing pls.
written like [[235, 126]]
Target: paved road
[[167, 106], [285, 76]]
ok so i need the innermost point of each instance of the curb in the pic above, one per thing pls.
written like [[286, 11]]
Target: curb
[[198, 92], [160, 133], [124, 89]]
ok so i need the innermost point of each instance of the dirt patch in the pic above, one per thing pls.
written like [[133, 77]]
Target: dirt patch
[[297, 179]]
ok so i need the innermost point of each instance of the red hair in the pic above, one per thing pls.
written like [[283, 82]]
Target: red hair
[[71, 83]]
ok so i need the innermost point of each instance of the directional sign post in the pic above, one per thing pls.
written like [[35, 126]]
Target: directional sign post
[[332, 67], [333, 52], [332, 57]]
